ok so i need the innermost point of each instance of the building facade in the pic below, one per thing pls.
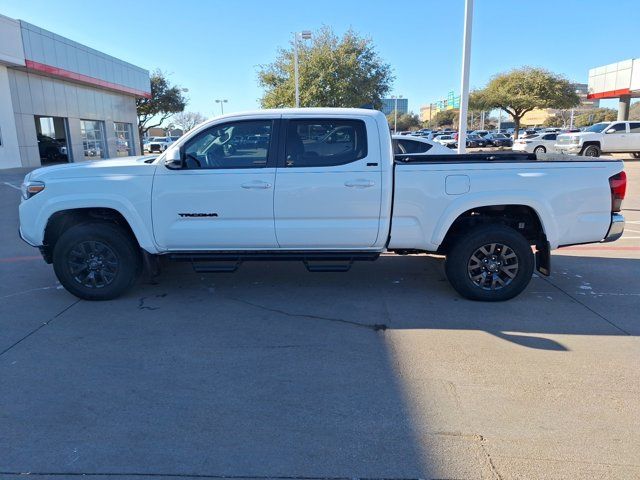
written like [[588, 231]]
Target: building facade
[[389, 105], [63, 101]]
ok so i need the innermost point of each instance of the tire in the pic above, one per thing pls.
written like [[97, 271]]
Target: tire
[[500, 273], [591, 151], [539, 149], [96, 261]]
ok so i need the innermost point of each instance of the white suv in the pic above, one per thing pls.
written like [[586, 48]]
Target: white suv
[[604, 137], [160, 144]]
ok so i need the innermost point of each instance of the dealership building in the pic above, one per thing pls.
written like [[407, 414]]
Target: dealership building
[[63, 101]]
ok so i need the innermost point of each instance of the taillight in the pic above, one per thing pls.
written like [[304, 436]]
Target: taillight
[[618, 184]]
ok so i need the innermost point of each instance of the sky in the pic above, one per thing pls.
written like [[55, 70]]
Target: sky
[[214, 47]]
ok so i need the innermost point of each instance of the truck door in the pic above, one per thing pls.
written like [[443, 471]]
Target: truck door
[[615, 138], [223, 197], [328, 184], [634, 136]]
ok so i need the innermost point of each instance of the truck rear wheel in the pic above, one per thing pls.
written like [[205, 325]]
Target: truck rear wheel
[[96, 261], [491, 263]]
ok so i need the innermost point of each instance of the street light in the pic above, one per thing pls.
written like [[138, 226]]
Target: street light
[[395, 113], [304, 35], [221, 102], [464, 87]]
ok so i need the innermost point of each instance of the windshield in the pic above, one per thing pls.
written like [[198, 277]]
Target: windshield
[[498, 135], [598, 127]]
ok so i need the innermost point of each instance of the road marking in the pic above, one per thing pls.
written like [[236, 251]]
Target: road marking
[[11, 185]]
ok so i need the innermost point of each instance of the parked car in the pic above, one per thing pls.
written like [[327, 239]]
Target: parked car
[[542, 143], [100, 222], [51, 149], [604, 137], [476, 141], [498, 140], [416, 146], [160, 144], [482, 133], [445, 140]]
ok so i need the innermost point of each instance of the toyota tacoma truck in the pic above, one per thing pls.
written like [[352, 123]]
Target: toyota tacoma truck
[[603, 137], [321, 186]]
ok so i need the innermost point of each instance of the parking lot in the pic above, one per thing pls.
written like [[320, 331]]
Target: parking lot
[[273, 372]]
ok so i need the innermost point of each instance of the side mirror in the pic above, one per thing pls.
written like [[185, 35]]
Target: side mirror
[[173, 160], [611, 130]]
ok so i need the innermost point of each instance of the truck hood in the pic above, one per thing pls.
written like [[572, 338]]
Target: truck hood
[[129, 166]]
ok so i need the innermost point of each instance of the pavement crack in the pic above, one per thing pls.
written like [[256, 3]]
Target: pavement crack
[[575, 299], [375, 327], [67, 308], [483, 448]]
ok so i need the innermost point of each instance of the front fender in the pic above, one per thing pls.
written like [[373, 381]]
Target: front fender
[[487, 199]]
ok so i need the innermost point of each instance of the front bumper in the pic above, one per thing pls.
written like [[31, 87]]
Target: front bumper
[[568, 149], [616, 229]]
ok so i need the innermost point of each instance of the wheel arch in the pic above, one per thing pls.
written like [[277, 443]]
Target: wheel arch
[[522, 217], [62, 219]]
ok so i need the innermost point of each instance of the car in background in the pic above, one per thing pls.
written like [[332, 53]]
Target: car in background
[[498, 140], [445, 140], [416, 146], [481, 133], [603, 137], [542, 143], [51, 149], [476, 141], [160, 144]]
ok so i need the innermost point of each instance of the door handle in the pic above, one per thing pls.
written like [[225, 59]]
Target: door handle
[[359, 183], [256, 185]]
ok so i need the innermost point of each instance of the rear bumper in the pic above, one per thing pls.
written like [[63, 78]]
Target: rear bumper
[[616, 229]]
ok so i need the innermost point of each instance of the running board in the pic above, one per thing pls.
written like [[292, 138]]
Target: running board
[[226, 262]]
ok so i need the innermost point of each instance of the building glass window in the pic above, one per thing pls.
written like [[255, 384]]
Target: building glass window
[[93, 139], [124, 139]]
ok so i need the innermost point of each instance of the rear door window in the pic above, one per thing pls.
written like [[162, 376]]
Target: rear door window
[[325, 142]]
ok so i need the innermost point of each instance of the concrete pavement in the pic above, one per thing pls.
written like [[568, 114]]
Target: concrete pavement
[[273, 372]]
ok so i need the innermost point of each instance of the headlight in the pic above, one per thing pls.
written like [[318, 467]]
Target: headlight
[[30, 188], [575, 140]]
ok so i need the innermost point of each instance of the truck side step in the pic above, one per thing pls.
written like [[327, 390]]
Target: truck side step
[[323, 267], [228, 267]]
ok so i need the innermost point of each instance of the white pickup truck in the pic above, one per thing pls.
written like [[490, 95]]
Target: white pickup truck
[[603, 137], [321, 186]]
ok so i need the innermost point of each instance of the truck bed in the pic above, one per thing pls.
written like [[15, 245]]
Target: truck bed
[[497, 157]]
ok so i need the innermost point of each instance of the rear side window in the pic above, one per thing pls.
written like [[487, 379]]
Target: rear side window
[[551, 136], [325, 142], [634, 127], [408, 146]]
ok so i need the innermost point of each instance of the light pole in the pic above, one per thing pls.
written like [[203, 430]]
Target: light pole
[[221, 101], [395, 113], [304, 35], [464, 83]]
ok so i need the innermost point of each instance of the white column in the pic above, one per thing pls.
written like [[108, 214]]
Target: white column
[[464, 83]]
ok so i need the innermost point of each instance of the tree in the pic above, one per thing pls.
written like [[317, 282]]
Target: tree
[[446, 118], [634, 111], [406, 121], [166, 100], [522, 90], [333, 72], [554, 121], [594, 116], [187, 120]]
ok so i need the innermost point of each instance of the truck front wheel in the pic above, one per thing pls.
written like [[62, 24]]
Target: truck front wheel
[[491, 263], [591, 151], [96, 261]]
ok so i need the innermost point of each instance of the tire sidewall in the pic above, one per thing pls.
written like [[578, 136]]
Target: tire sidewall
[[456, 264], [594, 149], [539, 149], [113, 236]]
